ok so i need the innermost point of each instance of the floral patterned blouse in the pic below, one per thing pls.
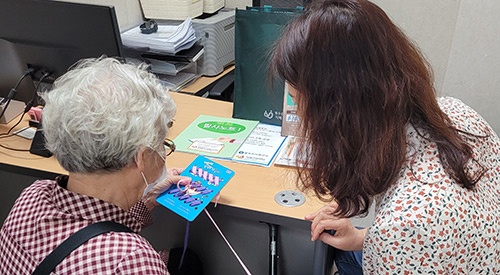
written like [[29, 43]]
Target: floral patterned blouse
[[428, 224]]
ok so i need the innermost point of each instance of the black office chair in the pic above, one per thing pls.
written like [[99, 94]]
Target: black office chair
[[222, 89]]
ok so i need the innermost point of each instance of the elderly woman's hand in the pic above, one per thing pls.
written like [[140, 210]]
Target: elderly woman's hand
[[174, 171], [149, 199]]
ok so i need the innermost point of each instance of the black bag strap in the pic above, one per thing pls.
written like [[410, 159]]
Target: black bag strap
[[74, 241]]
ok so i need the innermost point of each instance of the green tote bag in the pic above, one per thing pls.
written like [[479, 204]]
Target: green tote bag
[[256, 30]]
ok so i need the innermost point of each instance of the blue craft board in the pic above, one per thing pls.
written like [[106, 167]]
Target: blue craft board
[[208, 178]]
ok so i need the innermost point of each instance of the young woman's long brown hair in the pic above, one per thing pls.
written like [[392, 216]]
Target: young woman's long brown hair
[[360, 82]]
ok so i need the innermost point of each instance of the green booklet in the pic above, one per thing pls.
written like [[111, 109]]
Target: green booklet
[[213, 136]]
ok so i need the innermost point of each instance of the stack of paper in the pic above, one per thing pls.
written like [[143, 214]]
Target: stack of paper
[[173, 64], [176, 82], [169, 39], [166, 67]]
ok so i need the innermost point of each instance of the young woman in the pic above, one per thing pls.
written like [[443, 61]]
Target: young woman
[[374, 132]]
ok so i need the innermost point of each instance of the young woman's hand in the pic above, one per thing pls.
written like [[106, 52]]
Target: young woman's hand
[[346, 237]]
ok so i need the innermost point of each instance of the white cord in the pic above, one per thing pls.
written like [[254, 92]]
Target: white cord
[[227, 242]]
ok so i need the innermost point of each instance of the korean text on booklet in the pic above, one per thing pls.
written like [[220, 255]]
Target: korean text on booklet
[[208, 178]]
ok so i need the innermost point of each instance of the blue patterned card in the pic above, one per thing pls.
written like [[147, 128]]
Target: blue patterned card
[[208, 178]]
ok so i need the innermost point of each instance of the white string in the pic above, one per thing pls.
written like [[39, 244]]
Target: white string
[[228, 244]]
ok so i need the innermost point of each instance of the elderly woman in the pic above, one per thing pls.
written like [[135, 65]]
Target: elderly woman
[[106, 123], [374, 131]]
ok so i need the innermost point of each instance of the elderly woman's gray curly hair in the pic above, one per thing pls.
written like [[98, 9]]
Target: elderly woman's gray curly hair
[[102, 112]]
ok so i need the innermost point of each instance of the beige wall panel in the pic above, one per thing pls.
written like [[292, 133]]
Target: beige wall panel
[[430, 24], [128, 12], [474, 66], [460, 38], [240, 4]]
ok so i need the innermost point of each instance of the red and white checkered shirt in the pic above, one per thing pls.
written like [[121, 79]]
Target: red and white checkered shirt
[[46, 214]]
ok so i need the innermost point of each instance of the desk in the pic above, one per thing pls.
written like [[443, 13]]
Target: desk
[[205, 81], [247, 198], [252, 187]]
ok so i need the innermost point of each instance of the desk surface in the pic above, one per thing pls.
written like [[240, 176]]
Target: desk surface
[[251, 188], [204, 81]]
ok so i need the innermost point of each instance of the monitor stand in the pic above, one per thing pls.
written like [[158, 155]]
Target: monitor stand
[[14, 109]]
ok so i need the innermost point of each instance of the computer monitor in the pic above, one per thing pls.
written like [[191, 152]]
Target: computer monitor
[[51, 35]]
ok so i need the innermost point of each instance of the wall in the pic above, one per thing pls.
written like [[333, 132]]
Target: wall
[[460, 39], [128, 12], [474, 64]]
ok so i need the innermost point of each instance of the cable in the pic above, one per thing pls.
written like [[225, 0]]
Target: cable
[[13, 91], [247, 271], [33, 100], [14, 149], [5, 135], [30, 103], [26, 109]]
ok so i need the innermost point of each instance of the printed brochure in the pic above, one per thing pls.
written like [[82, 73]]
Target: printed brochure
[[239, 140], [208, 179]]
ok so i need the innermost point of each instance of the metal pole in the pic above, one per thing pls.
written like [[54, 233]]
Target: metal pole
[[273, 248]]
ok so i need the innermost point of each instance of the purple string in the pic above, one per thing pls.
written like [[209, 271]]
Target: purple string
[[186, 238]]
